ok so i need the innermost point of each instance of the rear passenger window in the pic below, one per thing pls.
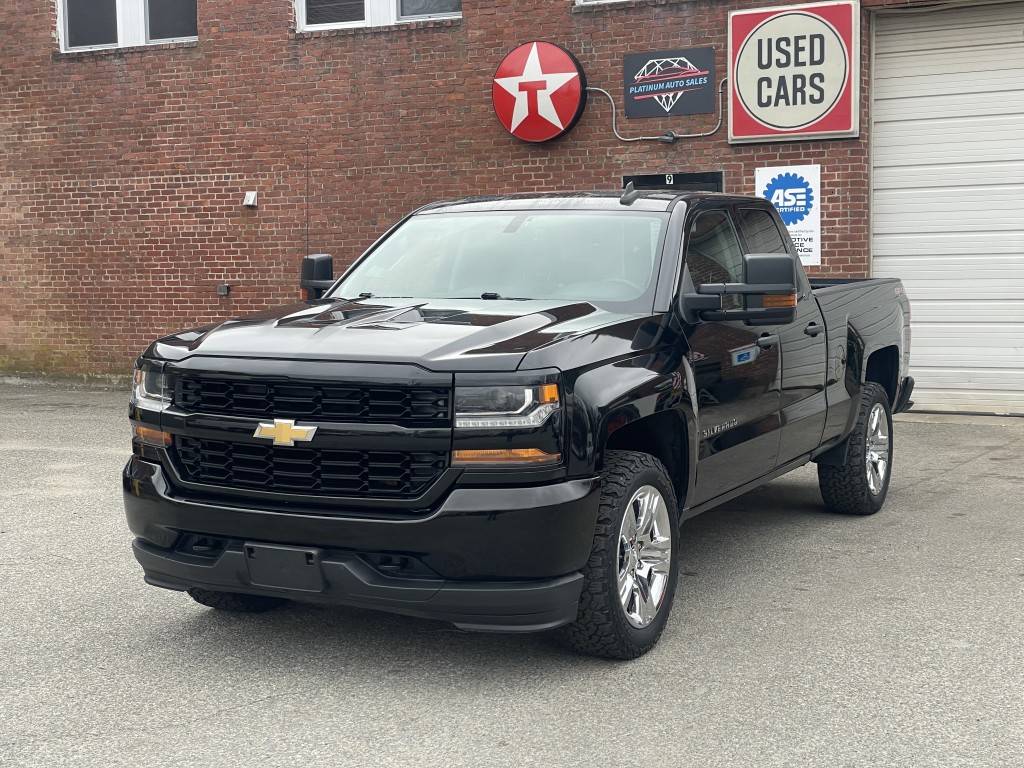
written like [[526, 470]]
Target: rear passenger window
[[761, 232]]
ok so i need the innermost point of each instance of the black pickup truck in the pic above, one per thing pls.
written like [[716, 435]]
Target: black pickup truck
[[501, 413]]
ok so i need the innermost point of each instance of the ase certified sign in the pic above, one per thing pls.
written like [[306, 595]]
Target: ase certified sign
[[795, 191], [794, 72]]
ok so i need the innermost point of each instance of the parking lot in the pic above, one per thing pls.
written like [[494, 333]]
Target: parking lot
[[799, 638]]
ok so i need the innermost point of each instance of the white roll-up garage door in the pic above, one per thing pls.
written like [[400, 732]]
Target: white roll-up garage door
[[948, 198]]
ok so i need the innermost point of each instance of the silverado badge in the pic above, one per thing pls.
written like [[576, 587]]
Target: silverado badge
[[284, 432]]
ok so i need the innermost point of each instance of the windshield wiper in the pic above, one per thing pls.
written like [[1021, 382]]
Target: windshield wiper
[[490, 296], [368, 295]]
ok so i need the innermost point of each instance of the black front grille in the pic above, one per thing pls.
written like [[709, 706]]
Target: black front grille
[[422, 406], [314, 471]]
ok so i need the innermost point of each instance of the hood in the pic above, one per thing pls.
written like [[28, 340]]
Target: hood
[[439, 334]]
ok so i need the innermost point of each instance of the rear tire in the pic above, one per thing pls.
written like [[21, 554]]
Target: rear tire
[[859, 486], [630, 579], [235, 602]]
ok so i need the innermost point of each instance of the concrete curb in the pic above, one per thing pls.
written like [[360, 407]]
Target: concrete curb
[[959, 418], [100, 383]]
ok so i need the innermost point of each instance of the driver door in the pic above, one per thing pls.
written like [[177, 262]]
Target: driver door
[[736, 370]]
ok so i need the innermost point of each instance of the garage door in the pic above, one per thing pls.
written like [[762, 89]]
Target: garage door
[[948, 198]]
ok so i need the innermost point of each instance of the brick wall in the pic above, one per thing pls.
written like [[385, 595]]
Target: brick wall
[[122, 172]]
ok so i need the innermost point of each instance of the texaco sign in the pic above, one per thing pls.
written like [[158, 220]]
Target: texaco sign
[[539, 92], [794, 72]]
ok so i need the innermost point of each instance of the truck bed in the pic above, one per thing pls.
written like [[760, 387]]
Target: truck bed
[[820, 283]]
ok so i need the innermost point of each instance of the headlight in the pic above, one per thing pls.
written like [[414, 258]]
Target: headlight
[[499, 407], [151, 386]]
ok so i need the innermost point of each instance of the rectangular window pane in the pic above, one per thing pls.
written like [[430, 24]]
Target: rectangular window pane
[[713, 254], [761, 233], [334, 11], [91, 22], [428, 7], [169, 19]]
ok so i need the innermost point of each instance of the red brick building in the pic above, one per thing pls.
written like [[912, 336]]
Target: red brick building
[[123, 169]]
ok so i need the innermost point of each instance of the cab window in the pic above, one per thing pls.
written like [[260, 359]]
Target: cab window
[[713, 253], [761, 232]]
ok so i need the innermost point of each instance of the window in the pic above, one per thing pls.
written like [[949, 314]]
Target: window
[[713, 253], [409, 8], [761, 232], [548, 255], [329, 14], [92, 24]]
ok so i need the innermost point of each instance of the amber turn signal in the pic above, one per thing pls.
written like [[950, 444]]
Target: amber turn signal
[[151, 436], [506, 456], [547, 393], [770, 301]]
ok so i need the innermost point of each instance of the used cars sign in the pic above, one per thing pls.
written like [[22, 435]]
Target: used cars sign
[[794, 72]]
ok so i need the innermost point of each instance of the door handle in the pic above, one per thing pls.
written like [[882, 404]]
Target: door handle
[[814, 329], [767, 341]]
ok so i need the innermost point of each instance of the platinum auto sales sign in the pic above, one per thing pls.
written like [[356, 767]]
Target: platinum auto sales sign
[[794, 72]]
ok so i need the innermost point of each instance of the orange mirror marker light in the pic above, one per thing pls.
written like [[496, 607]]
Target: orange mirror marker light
[[776, 301]]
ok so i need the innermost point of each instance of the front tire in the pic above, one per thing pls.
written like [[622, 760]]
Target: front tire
[[859, 486], [630, 579]]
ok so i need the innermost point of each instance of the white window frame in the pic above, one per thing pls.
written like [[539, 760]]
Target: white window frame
[[377, 13], [132, 28]]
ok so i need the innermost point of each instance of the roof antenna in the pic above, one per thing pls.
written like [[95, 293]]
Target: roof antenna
[[629, 195]]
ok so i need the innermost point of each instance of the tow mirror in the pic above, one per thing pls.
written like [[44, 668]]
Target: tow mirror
[[769, 294], [317, 275]]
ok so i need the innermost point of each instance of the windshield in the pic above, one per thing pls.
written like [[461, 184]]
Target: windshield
[[591, 256]]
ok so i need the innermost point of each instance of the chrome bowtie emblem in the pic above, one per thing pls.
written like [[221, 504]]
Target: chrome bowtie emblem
[[284, 432]]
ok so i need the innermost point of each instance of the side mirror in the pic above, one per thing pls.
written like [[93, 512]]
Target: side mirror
[[317, 275], [769, 294]]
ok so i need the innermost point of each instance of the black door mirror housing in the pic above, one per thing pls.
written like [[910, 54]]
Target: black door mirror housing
[[769, 293], [317, 275]]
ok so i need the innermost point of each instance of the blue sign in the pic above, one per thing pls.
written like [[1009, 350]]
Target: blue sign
[[743, 355], [791, 195]]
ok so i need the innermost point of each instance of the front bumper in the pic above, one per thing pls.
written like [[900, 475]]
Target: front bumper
[[347, 579], [492, 558]]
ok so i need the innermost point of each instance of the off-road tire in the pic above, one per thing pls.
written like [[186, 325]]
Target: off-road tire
[[235, 602], [601, 627], [845, 489]]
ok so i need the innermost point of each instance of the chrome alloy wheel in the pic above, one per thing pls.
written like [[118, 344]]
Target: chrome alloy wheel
[[645, 556], [877, 453]]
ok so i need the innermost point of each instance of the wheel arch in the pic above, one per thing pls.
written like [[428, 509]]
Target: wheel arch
[[883, 368], [664, 435]]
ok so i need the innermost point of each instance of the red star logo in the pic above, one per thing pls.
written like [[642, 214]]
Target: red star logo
[[539, 92]]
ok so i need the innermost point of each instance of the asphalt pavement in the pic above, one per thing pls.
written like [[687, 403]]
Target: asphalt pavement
[[799, 638]]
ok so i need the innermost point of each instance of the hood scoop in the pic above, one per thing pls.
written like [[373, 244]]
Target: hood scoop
[[407, 317], [347, 313], [395, 320]]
